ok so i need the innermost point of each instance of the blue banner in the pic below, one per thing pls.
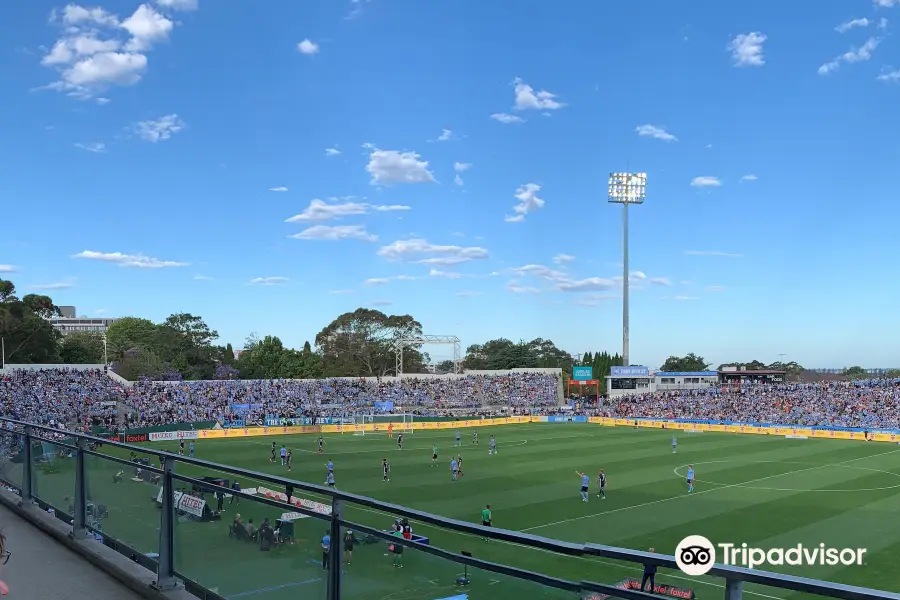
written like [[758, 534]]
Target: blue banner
[[688, 373], [629, 372], [233, 424], [582, 373], [567, 419], [240, 409], [384, 406]]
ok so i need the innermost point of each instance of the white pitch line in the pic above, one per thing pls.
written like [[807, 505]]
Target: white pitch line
[[724, 487]]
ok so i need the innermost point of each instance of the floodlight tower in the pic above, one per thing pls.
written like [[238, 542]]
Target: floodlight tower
[[625, 189]]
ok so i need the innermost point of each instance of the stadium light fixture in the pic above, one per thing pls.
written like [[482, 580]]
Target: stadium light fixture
[[625, 189]]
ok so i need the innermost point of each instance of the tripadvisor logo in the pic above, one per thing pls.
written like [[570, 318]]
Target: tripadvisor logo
[[695, 555]]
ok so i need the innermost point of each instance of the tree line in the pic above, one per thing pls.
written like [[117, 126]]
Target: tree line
[[361, 343]]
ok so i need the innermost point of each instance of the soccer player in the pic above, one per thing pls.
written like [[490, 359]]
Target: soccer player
[[330, 466], [326, 547], [400, 441], [181, 447], [283, 454], [458, 438], [674, 444], [486, 517], [287, 458], [475, 437], [585, 482], [191, 449], [433, 455], [349, 542], [459, 465], [493, 445], [273, 453], [454, 468], [329, 480], [601, 481], [321, 445], [690, 478], [385, 470], [390, 430]]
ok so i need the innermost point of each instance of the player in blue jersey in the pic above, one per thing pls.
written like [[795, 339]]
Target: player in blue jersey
[[690, 478], [454, 468], [585, 482], [674, 444], [458, 438], [492, 449], [329, 480]]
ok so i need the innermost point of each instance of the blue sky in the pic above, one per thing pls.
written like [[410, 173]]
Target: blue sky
[[271, 167]]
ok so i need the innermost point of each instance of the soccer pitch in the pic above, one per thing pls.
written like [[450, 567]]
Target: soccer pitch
[[766, 491]]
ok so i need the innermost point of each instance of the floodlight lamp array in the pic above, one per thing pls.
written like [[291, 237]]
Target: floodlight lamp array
[[627, 188]]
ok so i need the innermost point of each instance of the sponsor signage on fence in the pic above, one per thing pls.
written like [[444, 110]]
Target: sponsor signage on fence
[[162, 436], [137, 437], [582, 373], [629, 372], [318, 507], [191, 505]]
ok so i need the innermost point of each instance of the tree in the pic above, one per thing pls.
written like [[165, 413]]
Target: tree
[[856, 372], [791, 368], [129, 333], [28, 336], [136, 363], [81, 348], [685, 364], [361, 344], [505, 354], [269, 359]]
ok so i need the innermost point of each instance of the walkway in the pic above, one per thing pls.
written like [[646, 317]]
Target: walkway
[[41, 569]]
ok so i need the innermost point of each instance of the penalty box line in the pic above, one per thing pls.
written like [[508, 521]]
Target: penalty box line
[[716, 489]]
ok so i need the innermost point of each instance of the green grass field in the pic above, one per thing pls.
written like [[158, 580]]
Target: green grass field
[[766, 491]]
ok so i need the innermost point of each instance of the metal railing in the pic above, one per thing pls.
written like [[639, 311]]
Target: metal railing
[[68, 492]]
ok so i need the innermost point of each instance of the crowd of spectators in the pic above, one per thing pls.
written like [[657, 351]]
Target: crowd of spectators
[[71, 398], [871, 404]]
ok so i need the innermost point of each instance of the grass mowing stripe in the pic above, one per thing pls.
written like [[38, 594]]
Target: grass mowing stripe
[[732, 485]]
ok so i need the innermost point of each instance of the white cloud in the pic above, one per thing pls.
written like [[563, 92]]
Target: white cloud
[[661, 281], [706, 181], [74, 14], [381, 303], [179, 4], [515, 288], [278, 189], [882, 23], [7, 268], [101, 311], [747, 49], [146, 27], [160, 129], [715, 288], [458, 180], [268, 280], [392, 166], [562, 259], [749, 178], [844, 27], [854, 55], [307, 47], [887, 3], [590, 284], [528, 99], [61, 285], [423, 252], [891, 77], [332, 152], [542, 272], [319, 210], [201, 278], [680, 298], [712, 253], [506, 118], [446, 134], [468, 294], [655, 132], [101, 70], [138, 261], [461, 167], [376, 281], [96, 147], [444, 274], [342, 292], [528, 202], [595, 299], [336, 233]]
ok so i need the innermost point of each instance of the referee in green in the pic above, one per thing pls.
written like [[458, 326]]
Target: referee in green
[[486, 517]]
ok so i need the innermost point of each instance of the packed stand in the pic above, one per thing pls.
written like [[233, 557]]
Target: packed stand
[[867, 405]]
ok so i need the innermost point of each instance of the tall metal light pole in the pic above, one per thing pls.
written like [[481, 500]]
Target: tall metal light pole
[[625, 189]]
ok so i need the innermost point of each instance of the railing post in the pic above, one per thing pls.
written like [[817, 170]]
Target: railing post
[[26, 469], [334, 554], [165, 574], [79, 531], [733, 589]]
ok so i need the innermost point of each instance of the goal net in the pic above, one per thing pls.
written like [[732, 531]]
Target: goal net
[[368, 424], [360, 422]]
